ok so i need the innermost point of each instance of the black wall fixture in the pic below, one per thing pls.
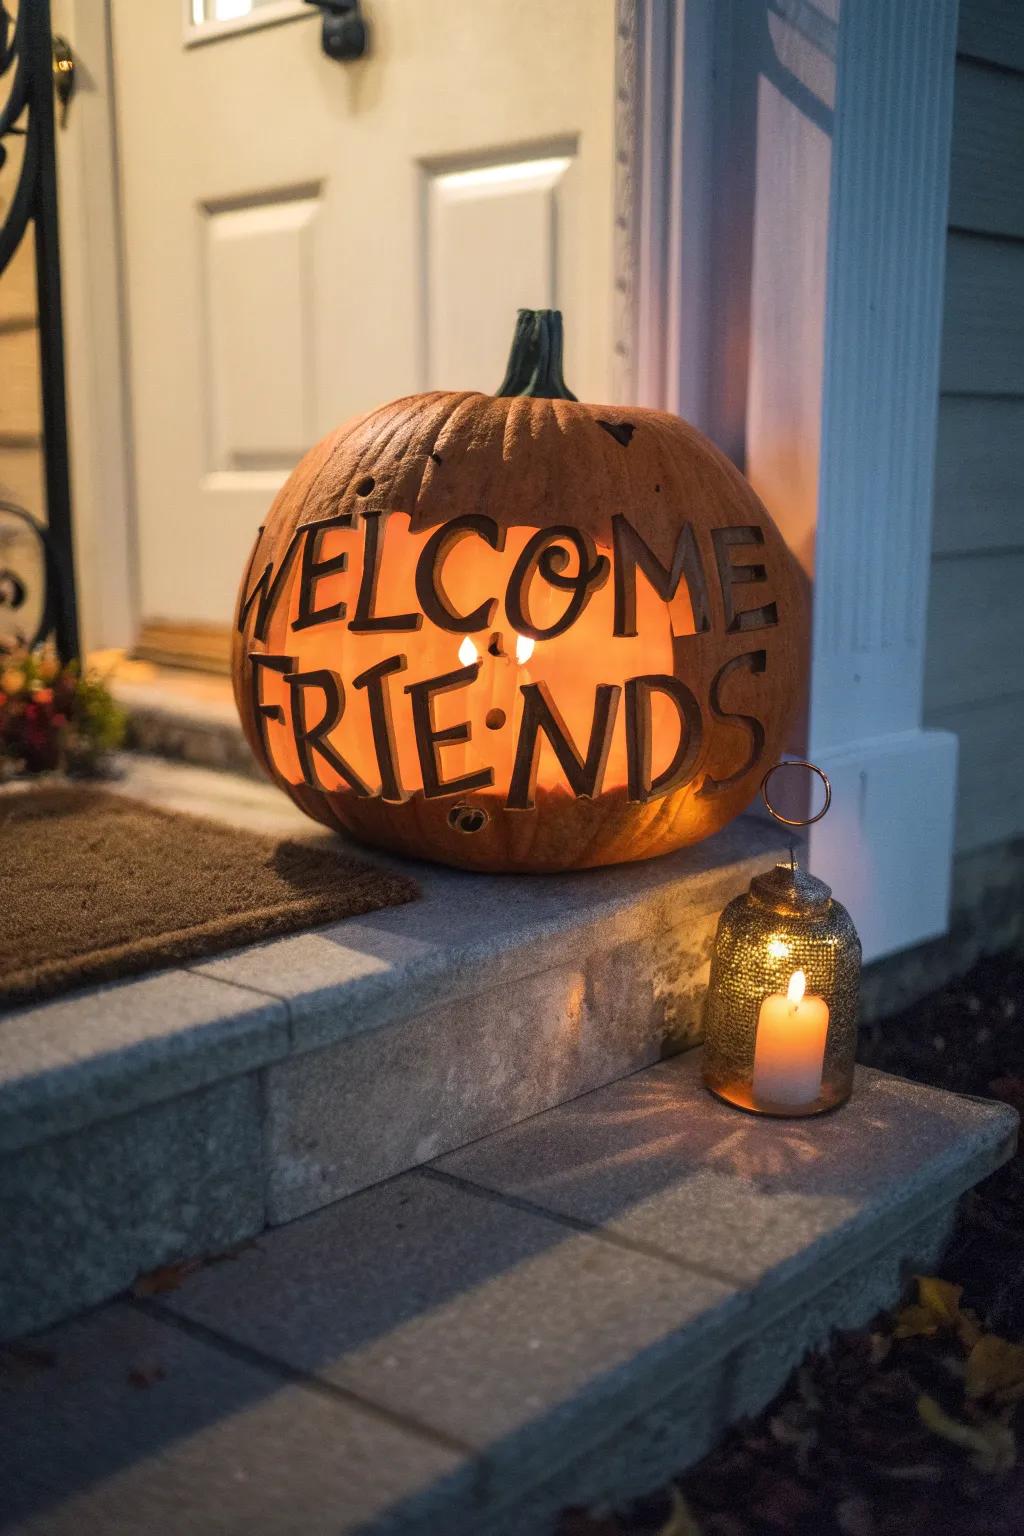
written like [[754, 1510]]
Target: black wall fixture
[[28, 69], [344, 34]]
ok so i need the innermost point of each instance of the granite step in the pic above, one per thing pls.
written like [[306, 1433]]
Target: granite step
[[187, 716], [175, 1114], [569, 1310]]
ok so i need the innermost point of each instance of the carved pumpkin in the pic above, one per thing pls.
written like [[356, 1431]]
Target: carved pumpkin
[[517, 632]]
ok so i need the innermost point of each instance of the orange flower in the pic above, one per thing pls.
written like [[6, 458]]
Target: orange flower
[[43, 695]]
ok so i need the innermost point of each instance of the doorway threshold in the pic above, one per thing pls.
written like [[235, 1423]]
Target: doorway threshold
[[178, 713]]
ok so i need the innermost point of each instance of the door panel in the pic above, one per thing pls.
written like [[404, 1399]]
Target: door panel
[[493, 231], [261, 376], [306, 239]]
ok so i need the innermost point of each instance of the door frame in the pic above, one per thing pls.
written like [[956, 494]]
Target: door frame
[[95, 335]]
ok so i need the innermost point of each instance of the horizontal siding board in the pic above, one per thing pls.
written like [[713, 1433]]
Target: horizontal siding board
[[992, 30], [979, 475], [990, 806], [983, 326], [974, 648], [986, 179], [974, 680]]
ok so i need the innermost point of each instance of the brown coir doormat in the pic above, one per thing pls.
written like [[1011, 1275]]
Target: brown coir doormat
[[96, 887]]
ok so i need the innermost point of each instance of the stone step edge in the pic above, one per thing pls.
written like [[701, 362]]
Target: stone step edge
[[656, 1440], [789, 1286], [913, 1233], [77, 1061], [686, 1386], [186, 736], [759, 1339]]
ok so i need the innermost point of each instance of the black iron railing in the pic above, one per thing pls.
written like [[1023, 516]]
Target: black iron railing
[[26, 68]]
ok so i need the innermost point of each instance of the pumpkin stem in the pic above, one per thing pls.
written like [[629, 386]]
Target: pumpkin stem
[[535, 362]]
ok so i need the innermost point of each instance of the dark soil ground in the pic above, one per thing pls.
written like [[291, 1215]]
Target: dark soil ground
[[910, 1426]]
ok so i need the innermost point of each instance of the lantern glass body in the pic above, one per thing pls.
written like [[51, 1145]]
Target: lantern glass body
[[786, 922]]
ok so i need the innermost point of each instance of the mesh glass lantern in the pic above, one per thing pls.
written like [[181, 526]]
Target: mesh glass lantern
[[780, 1018]]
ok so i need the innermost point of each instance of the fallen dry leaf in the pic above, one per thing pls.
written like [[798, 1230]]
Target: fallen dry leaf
[[968, 1328], [680, 1521], [991, 1443], [937, 1307], [995, 1369]]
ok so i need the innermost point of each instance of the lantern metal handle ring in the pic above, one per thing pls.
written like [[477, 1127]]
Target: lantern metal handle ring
[[787, 821]]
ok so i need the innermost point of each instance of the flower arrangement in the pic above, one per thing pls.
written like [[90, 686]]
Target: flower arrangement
[[54, 716]]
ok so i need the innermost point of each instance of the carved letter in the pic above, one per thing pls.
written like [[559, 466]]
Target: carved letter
[[267, 590], [429, 591], [541, 714], [258, 659], [754, 661], [381, 724], [365, 620], [313, 568], [591, 574], [310, 739], [638, 736], [632, 553], [428, 737], [730, 576]]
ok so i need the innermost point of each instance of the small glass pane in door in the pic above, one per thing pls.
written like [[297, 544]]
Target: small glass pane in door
[[212, 17]]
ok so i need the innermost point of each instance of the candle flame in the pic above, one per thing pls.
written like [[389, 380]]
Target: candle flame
[[468, 652], [524, 649], [797, 988]]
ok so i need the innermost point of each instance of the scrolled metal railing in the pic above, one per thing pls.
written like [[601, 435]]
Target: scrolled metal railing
[[26, 112]]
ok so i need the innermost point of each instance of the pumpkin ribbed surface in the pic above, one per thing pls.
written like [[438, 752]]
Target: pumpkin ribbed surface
[[731, 631]]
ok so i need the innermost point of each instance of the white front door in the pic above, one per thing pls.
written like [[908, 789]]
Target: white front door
[[306, 238]]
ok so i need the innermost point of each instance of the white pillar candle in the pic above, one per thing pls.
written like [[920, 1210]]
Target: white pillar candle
[[789, 1052]]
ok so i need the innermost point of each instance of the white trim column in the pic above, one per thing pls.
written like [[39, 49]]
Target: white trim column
[[807, 270], [99, 416]]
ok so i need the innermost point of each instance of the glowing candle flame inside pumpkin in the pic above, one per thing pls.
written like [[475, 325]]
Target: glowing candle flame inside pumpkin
[[502, 700]]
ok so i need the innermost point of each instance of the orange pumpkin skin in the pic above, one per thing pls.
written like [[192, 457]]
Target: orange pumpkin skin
[[527, 463]]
